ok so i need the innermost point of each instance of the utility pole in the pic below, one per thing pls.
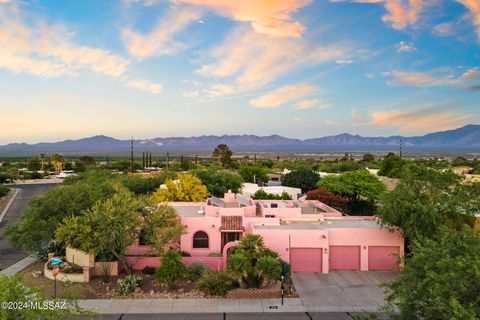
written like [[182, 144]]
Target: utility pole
[[255, 158], [196, 159], [131, 155], [168, 160], [401, 151]]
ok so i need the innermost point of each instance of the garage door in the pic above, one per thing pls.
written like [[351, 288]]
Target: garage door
[[344, 258], [383, 258], [306, 259]]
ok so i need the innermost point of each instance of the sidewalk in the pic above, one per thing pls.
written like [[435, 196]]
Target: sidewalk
[[146, 306], [118, 306]]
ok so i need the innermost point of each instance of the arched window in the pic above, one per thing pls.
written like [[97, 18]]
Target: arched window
[[200, 240]]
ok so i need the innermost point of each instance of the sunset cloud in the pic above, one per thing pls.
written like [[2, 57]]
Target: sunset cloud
[[440, 78], [144, 85], [47, 51], [160, 41], [421, 79], [255, 60], [401, 13], [432, 118], [474, 7], [312, 103], [268, 17], [282, 96]]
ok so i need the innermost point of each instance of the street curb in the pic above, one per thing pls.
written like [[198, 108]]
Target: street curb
[[4, 212]]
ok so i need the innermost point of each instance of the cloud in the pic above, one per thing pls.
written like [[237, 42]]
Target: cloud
[[144, 85], [474, 7], [282, 96], [471, 74], [43, 50], [160, 40], [443, 29], [48, 51], [405, 47], [329, 122], [431, 78], [254, 59], [430, 118], [473, 88], [401, 13], [420, 79], [267, 17], [310, 103], [344, 61]]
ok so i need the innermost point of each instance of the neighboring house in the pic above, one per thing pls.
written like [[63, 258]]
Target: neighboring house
[[310, 235], [249, 189]]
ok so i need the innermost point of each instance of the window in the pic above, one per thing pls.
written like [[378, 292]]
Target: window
[[200, 240]]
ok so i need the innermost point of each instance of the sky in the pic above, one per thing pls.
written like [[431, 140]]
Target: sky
[[298, 68]]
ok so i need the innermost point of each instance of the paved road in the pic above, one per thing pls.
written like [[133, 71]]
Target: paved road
[[9, 254]]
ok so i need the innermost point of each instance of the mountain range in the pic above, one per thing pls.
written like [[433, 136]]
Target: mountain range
[[466, 138]]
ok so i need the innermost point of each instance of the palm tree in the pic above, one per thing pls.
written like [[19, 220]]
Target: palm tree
[[42, 159], [58, 159]]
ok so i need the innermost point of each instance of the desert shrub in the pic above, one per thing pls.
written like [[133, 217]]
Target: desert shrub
[[149, 270], [128, 284], [171, 269], [105, 271], [286, 269], [215, 283], [3, 190], [196, 269]]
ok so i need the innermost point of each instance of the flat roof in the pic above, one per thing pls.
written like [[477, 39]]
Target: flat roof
[[327, 224], [189, 211]]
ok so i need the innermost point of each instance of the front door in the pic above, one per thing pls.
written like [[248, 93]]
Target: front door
[[229, 237]]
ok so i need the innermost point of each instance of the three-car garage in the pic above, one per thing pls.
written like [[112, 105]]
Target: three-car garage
[[344, 258]]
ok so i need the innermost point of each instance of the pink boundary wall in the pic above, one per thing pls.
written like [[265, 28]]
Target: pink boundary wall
[[138, 263]]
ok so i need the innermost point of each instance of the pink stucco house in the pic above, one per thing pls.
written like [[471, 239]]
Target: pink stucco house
[[310, 235]]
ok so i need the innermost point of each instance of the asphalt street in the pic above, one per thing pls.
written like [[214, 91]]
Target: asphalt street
[[8, 253]]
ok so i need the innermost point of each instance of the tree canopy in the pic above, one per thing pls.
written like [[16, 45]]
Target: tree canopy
[[111, 226], [427, 199], [361, 189], [222, 153], [187, 187], [219, 182], [304, 179], [440, 279], [254, 173], [41, 217]]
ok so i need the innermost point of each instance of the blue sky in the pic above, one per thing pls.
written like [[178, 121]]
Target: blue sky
[[298, 68]]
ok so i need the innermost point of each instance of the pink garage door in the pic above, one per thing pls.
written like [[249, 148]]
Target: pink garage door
[[344, 258], [382, 258], [306, 259]]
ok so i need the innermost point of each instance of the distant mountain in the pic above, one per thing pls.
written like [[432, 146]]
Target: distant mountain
[[467, 137]]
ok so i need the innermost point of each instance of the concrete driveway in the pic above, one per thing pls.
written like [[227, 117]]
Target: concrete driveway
[[342, 291]]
